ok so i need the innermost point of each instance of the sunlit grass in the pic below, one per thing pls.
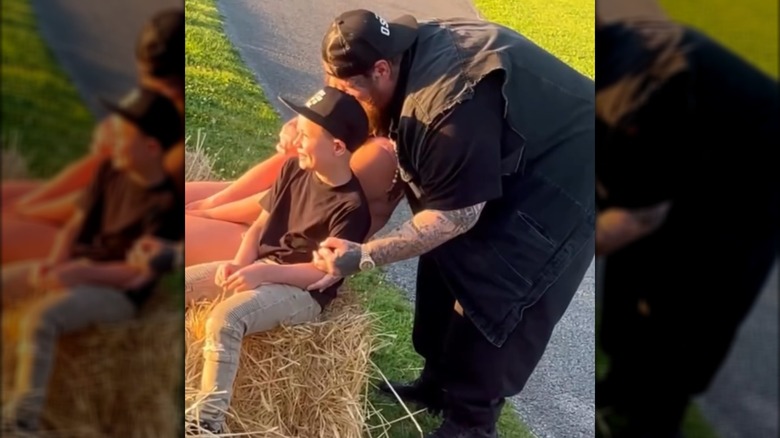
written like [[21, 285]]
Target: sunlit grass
[[43, 115]]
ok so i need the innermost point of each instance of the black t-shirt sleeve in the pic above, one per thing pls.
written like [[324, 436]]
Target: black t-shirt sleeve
[[460, 165], [269, 199]]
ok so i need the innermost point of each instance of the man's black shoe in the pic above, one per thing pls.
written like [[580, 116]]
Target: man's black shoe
[[450, 429], [418, 392]]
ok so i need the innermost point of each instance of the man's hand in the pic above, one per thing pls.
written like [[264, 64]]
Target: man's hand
[[151, 253], [338, 257], [224, 271], [144, 249], [288, 137], [327, 280], [616, 227], [246, 278]]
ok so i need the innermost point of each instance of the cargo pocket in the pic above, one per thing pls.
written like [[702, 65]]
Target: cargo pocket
[[522, 249]]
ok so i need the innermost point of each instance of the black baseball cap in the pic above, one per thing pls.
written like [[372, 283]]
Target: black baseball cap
[[161, 43], [338, 113], [153, 113], [359, 38]]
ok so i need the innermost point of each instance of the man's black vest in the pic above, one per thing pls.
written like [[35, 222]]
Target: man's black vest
[[524, 240]]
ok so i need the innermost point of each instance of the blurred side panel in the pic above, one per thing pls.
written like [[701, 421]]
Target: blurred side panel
[[687, 232], [92, 220]]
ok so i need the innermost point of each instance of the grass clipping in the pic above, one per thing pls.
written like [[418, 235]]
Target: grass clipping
[[303, 381], [113, 380]]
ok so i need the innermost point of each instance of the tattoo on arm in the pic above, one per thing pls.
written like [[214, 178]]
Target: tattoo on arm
[[651, 218], [618, 227], [464, 219], [424, 232]]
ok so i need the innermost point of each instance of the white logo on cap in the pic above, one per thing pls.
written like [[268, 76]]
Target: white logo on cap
[[317, 98], [384, 27]]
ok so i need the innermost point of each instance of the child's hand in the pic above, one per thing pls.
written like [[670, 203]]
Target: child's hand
[[38, 274], [224, 271], [247, 278]]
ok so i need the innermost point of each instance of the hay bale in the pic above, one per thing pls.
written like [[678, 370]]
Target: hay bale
[[305, 381], [114, 380], [198, 164]]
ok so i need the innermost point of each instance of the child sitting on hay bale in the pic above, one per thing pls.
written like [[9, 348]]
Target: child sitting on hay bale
[[87, 279], [315, 196]]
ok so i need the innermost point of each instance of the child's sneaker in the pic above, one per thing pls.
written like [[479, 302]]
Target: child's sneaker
[[200, 428]]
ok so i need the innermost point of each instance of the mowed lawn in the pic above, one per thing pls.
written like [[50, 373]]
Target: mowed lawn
[[749, 27], [43, 116], [225, 103], [562, 27]]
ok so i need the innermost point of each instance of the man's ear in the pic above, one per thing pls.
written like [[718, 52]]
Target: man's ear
[[339, 148], [381, 69]]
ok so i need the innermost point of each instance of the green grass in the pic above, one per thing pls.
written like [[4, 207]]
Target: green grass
[[563, 27], [224, 101], [43, 115], [748, 27]]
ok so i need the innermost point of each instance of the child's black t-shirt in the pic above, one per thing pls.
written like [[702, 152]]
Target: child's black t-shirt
[[304, 211], [118, 212]]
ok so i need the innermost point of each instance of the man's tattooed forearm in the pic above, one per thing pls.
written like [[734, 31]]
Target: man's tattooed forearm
[[424, 232], [465, 218], [652, 217]]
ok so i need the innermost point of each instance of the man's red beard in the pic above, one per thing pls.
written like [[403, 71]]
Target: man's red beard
[[378, 119]]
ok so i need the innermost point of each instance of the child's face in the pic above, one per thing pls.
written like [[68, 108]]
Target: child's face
[[317, 150], [132, 150]]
